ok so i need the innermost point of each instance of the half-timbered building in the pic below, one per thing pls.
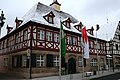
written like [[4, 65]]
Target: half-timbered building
[[112, 36], [35, 42]]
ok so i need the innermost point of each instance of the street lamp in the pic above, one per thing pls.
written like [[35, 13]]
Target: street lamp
[[2, 18], [111, 48]]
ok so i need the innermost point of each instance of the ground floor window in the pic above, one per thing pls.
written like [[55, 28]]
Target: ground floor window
[[40, 60], [80, 61], [56, 60], [93, 63], [24, 60]]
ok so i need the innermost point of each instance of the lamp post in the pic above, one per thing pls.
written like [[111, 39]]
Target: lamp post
[[2, 18], [111, 47]]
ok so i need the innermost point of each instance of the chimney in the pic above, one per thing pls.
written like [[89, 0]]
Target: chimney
[[18, 22], [9, 28], [55, 5]]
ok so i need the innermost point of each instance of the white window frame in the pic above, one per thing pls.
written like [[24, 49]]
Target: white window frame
[[74, 41], [68, 24], [98, 45], [24, 60], [80, 61], [93, 62], [41, 34], [69, 40], [56, 60], [92, 44], [48, 36], [40, 61], [50, 19], [56, 37]]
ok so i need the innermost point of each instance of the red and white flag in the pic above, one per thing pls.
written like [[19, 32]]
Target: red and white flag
[[86, 43]]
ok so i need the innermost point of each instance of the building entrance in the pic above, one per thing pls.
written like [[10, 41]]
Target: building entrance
[[71, 66]]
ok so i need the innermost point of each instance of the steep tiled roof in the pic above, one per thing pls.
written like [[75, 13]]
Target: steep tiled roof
[[37, 12]]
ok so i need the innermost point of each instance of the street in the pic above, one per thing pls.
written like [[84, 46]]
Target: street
[[109, 77]]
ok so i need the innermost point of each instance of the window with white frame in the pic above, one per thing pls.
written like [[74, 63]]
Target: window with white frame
[[74, 41], [93, 63], [56, 60], [49, 36], [69, 40], [80, 61], [25, 35], [98, 45], [56, 37], [92, 44], [67, 24], [102, 47], [50, 19], [24, 60], [40, 60], [41, 34]]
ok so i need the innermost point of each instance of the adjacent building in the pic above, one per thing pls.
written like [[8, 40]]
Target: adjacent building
[[111, 33]]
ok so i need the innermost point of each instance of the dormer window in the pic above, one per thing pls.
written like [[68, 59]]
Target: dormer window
[[49, 17], [67, 22], [78, 26]]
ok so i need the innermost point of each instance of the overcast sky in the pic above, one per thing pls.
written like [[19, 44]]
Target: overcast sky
[[90, 12]]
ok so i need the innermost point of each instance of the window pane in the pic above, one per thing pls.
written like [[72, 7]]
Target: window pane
[[74, 41], [50, 19], [40, 60], [49, 36], [80, 61], [69, 40], [56, 37], [56, 60], [41, 34], [24, 60]]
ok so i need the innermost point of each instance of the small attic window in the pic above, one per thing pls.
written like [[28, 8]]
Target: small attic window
[[78, 26], [67, 22], [49, 17]]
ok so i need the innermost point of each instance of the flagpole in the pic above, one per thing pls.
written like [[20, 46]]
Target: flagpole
[[82, 56], [60, 54]]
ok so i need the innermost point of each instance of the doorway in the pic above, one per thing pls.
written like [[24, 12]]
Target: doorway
[[71, 66]]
